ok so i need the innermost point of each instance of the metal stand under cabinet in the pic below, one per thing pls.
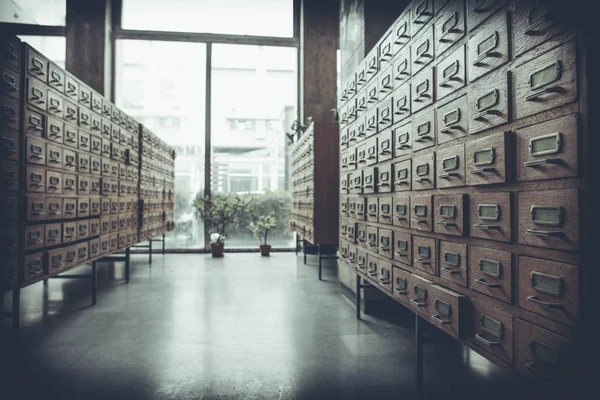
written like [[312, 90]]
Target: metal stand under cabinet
[[315, 181], [463, 136]]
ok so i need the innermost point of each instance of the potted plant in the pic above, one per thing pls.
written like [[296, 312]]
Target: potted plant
[[219, 213], [261, 229]]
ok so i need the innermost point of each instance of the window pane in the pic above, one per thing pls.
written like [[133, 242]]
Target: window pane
[[156, 87], [53, 47], [240, 17], [36, 12], [253, 105]]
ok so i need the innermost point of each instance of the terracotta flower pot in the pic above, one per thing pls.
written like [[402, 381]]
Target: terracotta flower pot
[[265, 250], [217, 249]]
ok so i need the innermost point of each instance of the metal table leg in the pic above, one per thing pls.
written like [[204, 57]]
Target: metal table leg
[[127, 265], [94, 283], [304, 249], [419, 341], [163, 245], [320, 262], [358, 289], [150, 251]]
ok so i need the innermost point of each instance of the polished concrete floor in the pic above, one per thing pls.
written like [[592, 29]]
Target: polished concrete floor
[[191, 327]]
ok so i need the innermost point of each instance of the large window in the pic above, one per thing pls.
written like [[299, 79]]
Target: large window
[[162, 85], [35, 12], [240, 17]]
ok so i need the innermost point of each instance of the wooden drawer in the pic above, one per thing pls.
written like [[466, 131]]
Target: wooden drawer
[[95, 189], [361, 208], [371, 121], [96, 165], [549, 218], [106, 148], [373, 209], [385, 210], [34, 237], [96, 127], [70, 160], [372, 64], [385, 114], [83, 163], [384, 178], [53, 234], [114, 223], [106, 129], [94, 248], [361, 103], [95, 205], [9, 210], [490, 216], [36, 94], [352, 136], [56, 260], [452, 120], [115, 133], [403, 176], [490, 272], [37, 65], [386, 48], [53, 207], [114, 169], [35, 151], [351, 260], [71, 88], [70, 208], [35, 180], [71, 112], [83, 250], [55, 104], [536, 22], [104, 224], [9, 146], [489, 159], [422, 90], [69, 184], [402, 70], [70, 257], [385, 275], [450, 311], [478, 11], [10, 51], [423, 174], [372, 238], [401, 106], [449, 214], [488, 102], [451, 167], [400, 283], [344, 164], [547, 82], [71, 138], [34, 266], [56, 130], [372, 270], [343, 228], [385, 82], [549, 288], [360, 159], [423, 127], [488, 49], [421, 215], [361, 234], [420, 296], [114, 205], [421, 12], [401, 207], [97, 102], [106, 167], [85, 118], [402, 33], [548, 150], [369, 180], [492, 330], [83, 229], [83, 187], [386, 243], [83, 206], [403, 247], [10, 114], [352, 206], [449, 27], [34, 123], [84, 141], [54, 156], [425, 254], [104, 244], [453, 262], [422, 51], [107, 110], [361, 128], [351, 117], [541, 354], [105, 204], [451, 73], [402, 140]]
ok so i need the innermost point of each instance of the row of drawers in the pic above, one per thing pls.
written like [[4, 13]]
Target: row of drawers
[[155, 178], [40, 208], [152, 206], [153, 142], [544, 218], [41, 180]]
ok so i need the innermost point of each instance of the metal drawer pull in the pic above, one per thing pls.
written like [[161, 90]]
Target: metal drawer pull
[[437, 319], [482, 170], [417, 303], [448, 27], [486, 226], [400, 291], [449, 73], [422, 180], [401, 32], [552, 306], [487, 48], [450, 271], [553, 89], [531, 366], [448, 175], [481, 7], [420, 11], [55, 78], [400, 254], [446, 223], [533, 25], [479, 337], [418, 260], [38, 66], [538, 232], [422, 90], [489, 285], [545, 161]]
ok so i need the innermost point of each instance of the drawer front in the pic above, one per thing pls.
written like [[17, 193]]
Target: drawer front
[[478, 11], [451, 167], [384, 146], [105, 205], [403, 247], [56, 260], [372, 238], [114, 205], [422, 90], [9, 212], [361, 208], [424, 254], [401, 106], [449, 312], [83, 163], [54, 156], [94, 248], [97, 103], [385, 210], [421, 213], [83, 251], [34, 266], [106, 148], [344, 207], [421, 13], [37, 65], [70, 160], [488, 102], [420, 296], [372, 64], [34, 124], [449, 27], [451, 73], [549, 288], [400, 285], [449, 214], [85, 118], [548, 150], [422, 51], [83, 229], [96, 165], [71, 88], [402, 69], [106, 129], [423, 127], [344, 183], [384, 178], [70, 256], [371, 121], [37, 94], [361, 103], [386, 243], [95, 205], [96, 127], [10, 115], [84, 141], [453, 262], [104, 244], [488, 49], [70, 207], [535, 23], [56, 130], [423, 172], [9, 143], [492, 330], [53, 182], [452, 120], [107, 111], [11, 51], [71, 136], [370, 180], [385, 275], [490, 272], [55, 104], [53, 234], [372, 267], [487, 159], [83, 207], [114, 223], [402, 140], [71, 112], [114, 169], [549, 218], [83, 187], [403, 175], [95, 189], [547, 82], [385, 114], [35, 151], [351, 117], [343, 228], [69, 184], [34, 237], [402, 33], [386, 48], [104, 224], [352, 138], [361, 234], [373, 209], [385, 82], [402, 211], [35, 180], [490, 216]]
